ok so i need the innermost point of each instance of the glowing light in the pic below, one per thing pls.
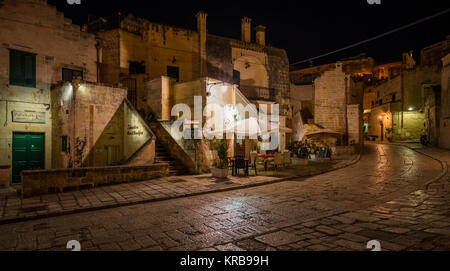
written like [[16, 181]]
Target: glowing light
[[411, 108], [223, 88], [68, 91], [380, 117]]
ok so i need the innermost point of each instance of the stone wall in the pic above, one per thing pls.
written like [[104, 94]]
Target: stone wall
[[330, 100], [219, 58], [101, 126], [5, 176], [301, 101], [444, 138], [355, 125], [38, 182], [110, 57], [278, 68], [33, 26], [82, 112], [175, 150]]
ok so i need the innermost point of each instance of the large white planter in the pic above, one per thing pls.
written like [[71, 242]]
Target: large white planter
[[219, 173]]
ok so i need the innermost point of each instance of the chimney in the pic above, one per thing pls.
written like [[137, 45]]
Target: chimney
[[201, 28], [201, 21], [261, 35], [246, 29]]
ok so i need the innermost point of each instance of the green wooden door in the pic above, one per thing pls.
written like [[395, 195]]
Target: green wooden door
[[28, 152]]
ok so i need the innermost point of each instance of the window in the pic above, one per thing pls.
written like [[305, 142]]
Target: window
[[236, 77], [137, 67], [393, 97], [69, 74], [64, 144], [22, 68], [173, 72]]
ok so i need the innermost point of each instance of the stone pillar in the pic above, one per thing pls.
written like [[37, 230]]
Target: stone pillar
[[246, 31], [201, 28], [261, 35]]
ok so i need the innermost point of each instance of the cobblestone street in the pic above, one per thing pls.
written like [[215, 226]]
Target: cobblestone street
[[384, 197]]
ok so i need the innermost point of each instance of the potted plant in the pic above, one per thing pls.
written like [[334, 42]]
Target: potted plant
[[220, 169], [313, 152]]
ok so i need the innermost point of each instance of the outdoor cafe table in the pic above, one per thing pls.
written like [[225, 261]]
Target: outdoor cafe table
[[234, 171]]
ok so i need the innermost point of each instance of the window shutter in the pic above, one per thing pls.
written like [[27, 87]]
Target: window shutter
[[30, 70], [22, 69]]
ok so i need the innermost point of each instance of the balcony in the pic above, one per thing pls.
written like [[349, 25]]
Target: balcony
[[258, 93]]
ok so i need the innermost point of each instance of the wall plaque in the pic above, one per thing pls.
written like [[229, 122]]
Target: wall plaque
[[28, 117]]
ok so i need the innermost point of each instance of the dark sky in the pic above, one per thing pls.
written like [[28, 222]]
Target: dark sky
[[304, 28]]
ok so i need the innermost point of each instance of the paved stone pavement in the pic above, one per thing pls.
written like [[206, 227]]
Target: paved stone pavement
[[382, 198], [14, 209]]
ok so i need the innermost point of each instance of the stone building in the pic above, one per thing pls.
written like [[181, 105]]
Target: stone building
[[433, 54], [40, 52], [398, 111], [444, 129], [356, 66], [338, 104], [164, 65], [331, 97]]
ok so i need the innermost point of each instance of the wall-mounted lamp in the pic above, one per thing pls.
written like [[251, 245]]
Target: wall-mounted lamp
[[411, 108]]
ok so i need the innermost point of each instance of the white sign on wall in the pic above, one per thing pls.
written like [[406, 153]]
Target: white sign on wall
[[28, 117]]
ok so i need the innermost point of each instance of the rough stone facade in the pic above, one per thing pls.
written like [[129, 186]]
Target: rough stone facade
[[444, 138], [407, 96], [195, 55], [355, 66], [38, 182], [100, 126], [37, 28], [433, 54]]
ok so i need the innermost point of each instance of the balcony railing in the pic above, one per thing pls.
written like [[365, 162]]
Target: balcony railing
[[258, 93]]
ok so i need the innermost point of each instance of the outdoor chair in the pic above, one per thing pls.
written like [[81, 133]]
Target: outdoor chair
[[277, 160], [240, 163], [324, 153], [287, 158], [303, 152], [254, 160]]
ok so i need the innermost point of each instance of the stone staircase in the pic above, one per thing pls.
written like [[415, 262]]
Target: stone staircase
[[163, 156]]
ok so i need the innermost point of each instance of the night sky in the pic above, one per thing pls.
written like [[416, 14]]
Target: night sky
[[304, 28]]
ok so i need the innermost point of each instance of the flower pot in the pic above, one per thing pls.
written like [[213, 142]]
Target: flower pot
[[219, 173]]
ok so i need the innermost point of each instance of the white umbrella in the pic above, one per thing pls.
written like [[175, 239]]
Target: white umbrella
[[252, 127]]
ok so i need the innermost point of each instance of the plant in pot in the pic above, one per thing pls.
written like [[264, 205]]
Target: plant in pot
[[293, 147], [220, 169], [313, 151]]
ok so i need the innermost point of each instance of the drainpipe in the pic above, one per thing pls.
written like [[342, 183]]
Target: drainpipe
[[402, 89], [73, 113], [99, 51], [347, 81]]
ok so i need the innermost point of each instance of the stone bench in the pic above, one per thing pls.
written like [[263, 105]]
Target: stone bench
[[5, 177], [38, 182]]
